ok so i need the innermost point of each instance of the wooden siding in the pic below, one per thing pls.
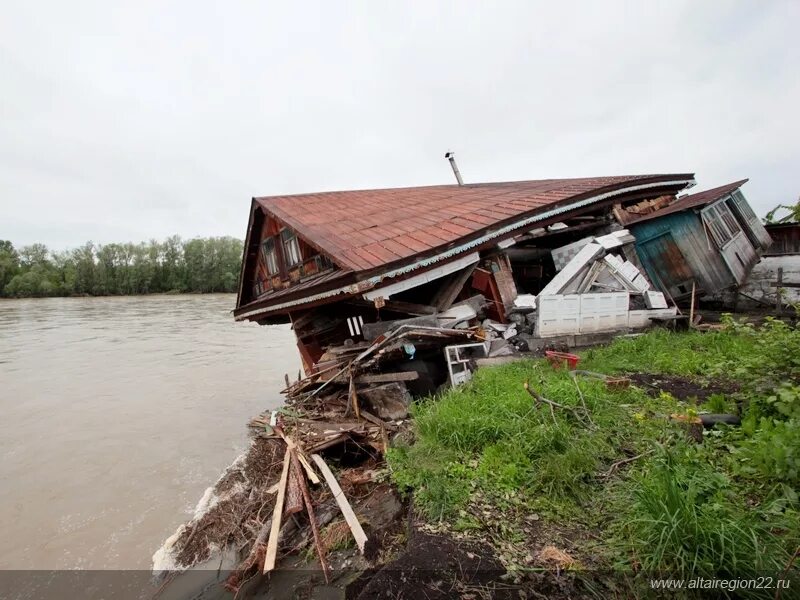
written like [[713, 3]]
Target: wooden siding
[[312, 262], [740, 256], [785, 238], [744, 213], [702, 257]]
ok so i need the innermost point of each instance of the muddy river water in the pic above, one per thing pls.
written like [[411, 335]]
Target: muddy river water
[[116, 414]]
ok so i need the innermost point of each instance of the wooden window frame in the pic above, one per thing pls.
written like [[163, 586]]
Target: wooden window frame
[[291, 245], [269, 251], [721, 222]]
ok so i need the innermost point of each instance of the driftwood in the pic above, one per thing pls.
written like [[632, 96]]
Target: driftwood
[[341, 500]]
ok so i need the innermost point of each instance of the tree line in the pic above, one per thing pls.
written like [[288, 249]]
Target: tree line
[[172, 266]]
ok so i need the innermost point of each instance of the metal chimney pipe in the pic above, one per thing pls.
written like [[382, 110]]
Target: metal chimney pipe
[[451, 156]]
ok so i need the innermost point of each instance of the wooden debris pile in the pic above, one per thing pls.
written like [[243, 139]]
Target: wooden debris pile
[[312, 463]]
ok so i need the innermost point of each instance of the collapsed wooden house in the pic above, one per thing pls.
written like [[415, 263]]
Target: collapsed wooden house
[[390, 292], [712, 239], [345, 267]]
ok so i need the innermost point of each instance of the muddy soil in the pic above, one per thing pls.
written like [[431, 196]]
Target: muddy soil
[[684, 388]]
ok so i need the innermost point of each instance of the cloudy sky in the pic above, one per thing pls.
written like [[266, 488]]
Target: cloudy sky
[[130, 120]]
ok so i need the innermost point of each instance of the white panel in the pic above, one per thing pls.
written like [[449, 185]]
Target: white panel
[[639, 319], [564, 254], [417, 280], [575, 267], [581, 313], [604, 312], [615, 239], [557, 315], [654, 299]]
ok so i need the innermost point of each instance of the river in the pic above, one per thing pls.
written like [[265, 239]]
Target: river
[[117, 413]]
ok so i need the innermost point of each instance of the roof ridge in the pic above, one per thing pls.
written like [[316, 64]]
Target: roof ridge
[[455, 186]]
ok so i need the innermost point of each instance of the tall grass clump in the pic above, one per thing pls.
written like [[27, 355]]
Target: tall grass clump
[[685, 522]]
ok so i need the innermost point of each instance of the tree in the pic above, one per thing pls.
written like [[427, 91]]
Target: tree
[[9, 264], [197, 265], [792, 217]]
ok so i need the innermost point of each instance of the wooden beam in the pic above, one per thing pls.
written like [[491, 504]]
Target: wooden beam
[[387, 377], [277, 513], [409, 307], [399, 306], [341, 500], [354, 397], [447, 294]]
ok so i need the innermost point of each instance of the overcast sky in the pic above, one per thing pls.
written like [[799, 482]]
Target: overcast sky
[[131, 120]]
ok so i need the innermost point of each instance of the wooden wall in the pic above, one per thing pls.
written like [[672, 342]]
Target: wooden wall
[[701, 257]]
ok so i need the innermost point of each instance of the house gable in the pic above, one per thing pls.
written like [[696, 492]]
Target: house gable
[[277, 258]]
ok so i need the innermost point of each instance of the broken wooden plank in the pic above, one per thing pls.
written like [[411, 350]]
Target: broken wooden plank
[[409, 307], [291, 444], [372, 331], [387, 377], [277, 512], [354, 397], [312, 518], [341, 500], [447, 294], [376, 421]]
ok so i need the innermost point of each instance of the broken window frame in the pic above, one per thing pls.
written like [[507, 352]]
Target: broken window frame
[[270, 255], [292, 255], [719, 220], [743, 206]]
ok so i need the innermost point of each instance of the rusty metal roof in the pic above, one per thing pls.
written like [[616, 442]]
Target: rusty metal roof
[[692, 201], [366, 229]]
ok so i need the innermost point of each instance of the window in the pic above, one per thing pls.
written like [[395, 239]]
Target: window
[[270, 256], [291, 248], [721, 223], [743, 207]]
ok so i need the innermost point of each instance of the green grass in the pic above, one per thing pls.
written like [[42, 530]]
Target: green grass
[[727, 506]]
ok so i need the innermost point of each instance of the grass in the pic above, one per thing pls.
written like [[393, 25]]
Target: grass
[[486, 458]]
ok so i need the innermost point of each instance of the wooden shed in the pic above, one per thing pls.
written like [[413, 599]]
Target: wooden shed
[[712, 239]]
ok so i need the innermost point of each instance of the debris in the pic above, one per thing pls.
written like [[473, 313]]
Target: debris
[[525, 301], [557, 359], [541, 399], [709, 420], [386, 377], [388, 402], [312, 519], [459, 313], [461, 361], [554, 556], [625, 461], [653, 299], [277, 513], [341, 500]]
